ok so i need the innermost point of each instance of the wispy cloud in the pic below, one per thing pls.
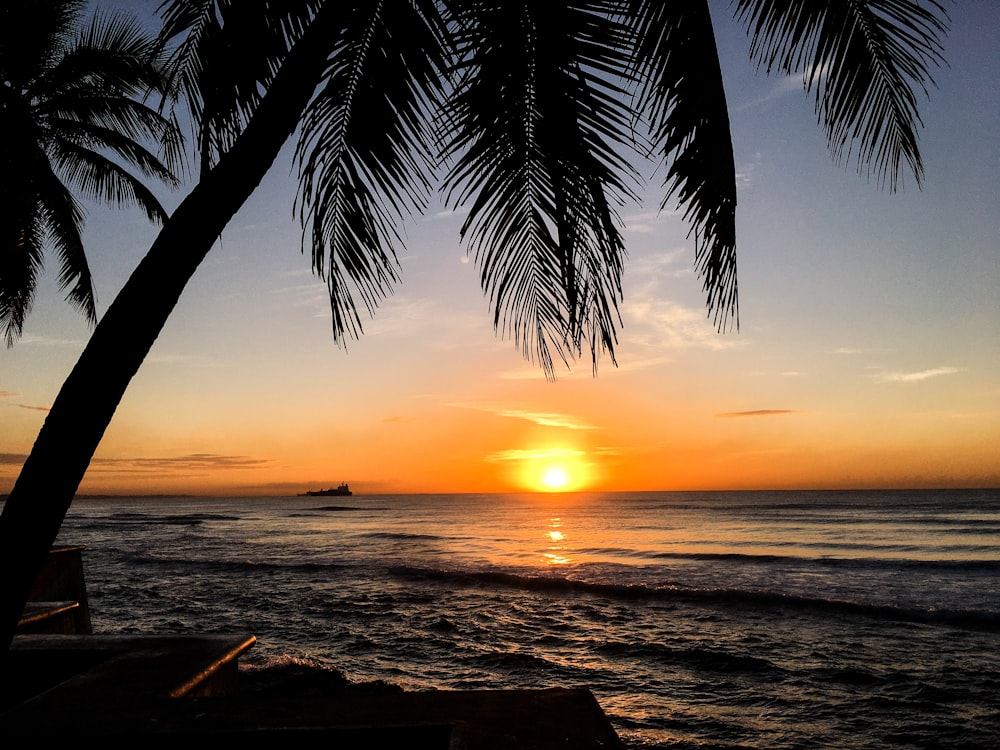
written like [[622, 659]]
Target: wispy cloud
[[758, 413], [545, 419], [426, 319], [653, 320], [853, 351], [12, 459], [448, 213], [781, 88], [660, 324], [33, 340], [197, 462], [745, 171], [583, 367], [653, 267], [531, 372], [647, 222], [31, 407], [398, 419], [172, 358], [519, 454], [916, 377]]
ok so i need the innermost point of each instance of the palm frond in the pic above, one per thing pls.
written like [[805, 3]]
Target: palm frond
[[73, 111], [62, 218], [105, 78], [228, 52], [683, 97], [43, 215], [21, 259], [121, 126], [538, 126], [102, 179], [365, 152], [866, 60], [32, 34]]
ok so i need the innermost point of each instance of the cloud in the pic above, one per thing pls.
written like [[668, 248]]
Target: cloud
[[758, 413], [13, 459], [167, 358], [852, 351], [647, 222], [30, 407], [652, 267], [519, 454], [403, 316], [545, 419], [653, 320], [745, 172], [31, 339], [916, 377], [781, 88], [197, 462], [532, 371], [450, 213], [426, 319], [660, 324], [608, 450]]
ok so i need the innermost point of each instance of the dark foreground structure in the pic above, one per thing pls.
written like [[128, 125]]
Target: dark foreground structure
[[60, 679]]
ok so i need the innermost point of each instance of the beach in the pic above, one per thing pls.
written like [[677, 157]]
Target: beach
[[751, 620]]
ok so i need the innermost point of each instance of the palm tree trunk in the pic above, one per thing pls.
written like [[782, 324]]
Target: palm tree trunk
[[87, 401]]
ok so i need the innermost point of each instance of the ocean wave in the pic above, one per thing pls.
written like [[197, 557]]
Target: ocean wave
[[285, 674], [332, 509], [967, 619], [847, 562], [700, 657], [117, 520], [968, 564], [246, 565], [399, 535]]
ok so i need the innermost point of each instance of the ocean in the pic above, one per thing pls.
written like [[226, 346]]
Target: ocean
[[822, 619]]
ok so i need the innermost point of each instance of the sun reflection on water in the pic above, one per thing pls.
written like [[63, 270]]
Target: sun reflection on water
[[556, 553]]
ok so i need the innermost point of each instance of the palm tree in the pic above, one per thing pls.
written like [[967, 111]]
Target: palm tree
[[530, 112], [73, 124]]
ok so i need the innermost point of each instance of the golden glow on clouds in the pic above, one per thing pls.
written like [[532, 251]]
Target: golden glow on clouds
[[551, 469], [543, 419], [757, 413], [916, 377]]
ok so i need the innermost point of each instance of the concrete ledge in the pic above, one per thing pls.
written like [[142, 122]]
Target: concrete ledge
[[61, 579], [136, 686], [62, 673], [49, 617]]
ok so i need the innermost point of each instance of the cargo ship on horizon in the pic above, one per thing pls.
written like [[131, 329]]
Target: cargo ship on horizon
[[341, 490]]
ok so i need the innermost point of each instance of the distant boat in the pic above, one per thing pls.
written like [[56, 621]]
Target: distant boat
[[341, 490]]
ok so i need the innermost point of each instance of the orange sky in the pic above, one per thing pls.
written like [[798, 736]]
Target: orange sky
[[868, 353]]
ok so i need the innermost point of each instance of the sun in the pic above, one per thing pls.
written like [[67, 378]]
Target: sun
[[554, 469], [555, 478]]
